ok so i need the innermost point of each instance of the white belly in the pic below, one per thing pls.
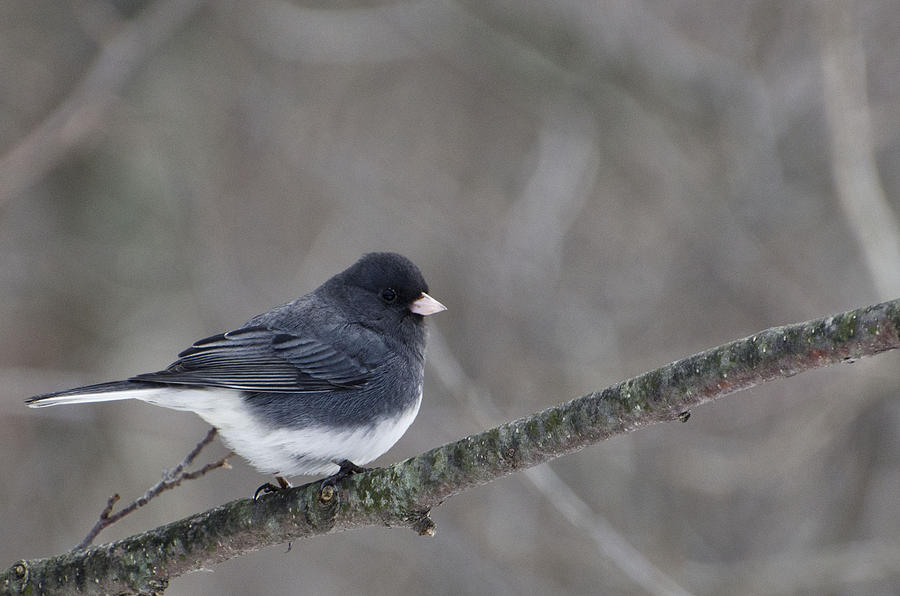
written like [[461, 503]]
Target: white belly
[[287, 452]]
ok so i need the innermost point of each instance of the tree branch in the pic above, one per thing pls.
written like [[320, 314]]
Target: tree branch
[[403, 494]]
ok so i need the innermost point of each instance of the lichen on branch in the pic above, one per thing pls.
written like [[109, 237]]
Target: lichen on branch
[[403, 494]]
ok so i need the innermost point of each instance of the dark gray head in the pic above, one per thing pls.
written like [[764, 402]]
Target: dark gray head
[[384, 291]]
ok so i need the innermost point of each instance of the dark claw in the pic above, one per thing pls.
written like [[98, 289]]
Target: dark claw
[[269, 488], [348, 468], [265, 489]]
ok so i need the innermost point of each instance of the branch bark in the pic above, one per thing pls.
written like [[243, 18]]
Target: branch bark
[[403, 494]]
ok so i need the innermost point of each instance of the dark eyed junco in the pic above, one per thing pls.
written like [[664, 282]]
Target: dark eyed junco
[[334, 376]]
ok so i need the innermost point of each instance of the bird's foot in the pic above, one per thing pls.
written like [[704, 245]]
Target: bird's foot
[[348, 468], [269, 488]]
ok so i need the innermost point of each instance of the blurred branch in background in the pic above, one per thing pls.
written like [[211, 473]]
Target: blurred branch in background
[[78, 115], [404, 494], [548, 483], [803, 571], [859, 190], [593, 187]]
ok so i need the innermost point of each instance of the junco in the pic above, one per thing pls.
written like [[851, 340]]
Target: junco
[[322, 383]]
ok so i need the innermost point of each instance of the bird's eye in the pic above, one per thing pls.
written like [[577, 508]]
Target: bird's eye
[[388, 295]]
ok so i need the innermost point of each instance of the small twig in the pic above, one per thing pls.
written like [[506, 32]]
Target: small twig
[[189, 458], [110, 503], [170, 479]]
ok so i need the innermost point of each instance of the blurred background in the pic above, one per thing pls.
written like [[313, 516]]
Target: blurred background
[[594, 189]]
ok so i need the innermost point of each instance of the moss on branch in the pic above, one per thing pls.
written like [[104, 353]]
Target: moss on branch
[[403, 494]]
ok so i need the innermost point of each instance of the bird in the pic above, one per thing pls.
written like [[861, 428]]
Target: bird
[[319, 385]]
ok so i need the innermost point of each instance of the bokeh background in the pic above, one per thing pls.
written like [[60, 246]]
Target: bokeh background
[[593, 188]]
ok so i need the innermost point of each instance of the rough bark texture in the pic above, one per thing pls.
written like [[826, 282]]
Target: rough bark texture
[[404, 493]]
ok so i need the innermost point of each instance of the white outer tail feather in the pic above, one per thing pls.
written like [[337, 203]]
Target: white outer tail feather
[[149, 395]]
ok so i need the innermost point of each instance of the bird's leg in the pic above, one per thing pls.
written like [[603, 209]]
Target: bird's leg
[[268, 487], [348, 468]]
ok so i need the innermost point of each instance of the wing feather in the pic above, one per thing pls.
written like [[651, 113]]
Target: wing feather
[[262, 359]]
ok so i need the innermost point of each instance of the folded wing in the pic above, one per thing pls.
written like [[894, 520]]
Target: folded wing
[[263, 359]]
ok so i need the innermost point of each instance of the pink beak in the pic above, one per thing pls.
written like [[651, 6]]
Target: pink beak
[[426, 305]]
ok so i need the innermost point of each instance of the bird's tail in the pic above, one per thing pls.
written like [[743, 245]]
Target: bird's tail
[[112, 391]]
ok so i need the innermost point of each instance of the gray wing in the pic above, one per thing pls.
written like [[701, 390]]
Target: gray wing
[[263, 359]]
